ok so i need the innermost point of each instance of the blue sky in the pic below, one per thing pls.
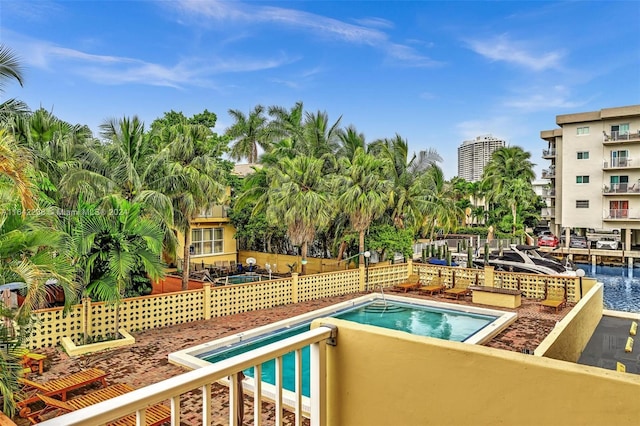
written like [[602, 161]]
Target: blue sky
[[436, 73]]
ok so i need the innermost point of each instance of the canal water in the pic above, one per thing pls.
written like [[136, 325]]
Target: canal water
[[621, 286]]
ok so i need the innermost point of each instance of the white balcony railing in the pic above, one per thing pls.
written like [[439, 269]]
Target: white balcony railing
[[548, 212], [621, 188], [213, 212], [549, 152], [621, 136], [618, 163], [202, 378], [549, 192], [546, 174], [621, 214]]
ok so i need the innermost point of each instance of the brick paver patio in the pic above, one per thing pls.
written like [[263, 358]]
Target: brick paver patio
[[146, 362]]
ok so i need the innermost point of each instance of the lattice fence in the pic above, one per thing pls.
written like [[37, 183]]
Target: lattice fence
[[533, 286], [51, 325], [311, 287], [234, 299], [386, 276]]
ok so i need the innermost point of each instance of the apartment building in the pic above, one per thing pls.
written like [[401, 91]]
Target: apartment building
[[595, 172], [474, 154]]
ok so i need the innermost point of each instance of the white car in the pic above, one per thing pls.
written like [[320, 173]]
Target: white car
[[607, 243]]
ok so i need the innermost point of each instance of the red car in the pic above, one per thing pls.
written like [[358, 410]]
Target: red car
[[548, 241]]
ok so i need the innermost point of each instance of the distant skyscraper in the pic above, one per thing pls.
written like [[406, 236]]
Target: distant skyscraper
[[473, 155]]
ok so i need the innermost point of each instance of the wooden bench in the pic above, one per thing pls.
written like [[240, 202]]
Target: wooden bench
[[494, 296]]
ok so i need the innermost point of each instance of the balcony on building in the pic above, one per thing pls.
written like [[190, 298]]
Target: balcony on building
[[620, 163], [213, 212], [549, 153], [548, 212], [620, 137], [621, 215], [548, 192], [549, 173], [621, 188]]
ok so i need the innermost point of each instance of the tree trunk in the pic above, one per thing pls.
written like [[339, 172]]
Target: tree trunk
[[185, 260], [361, 248], [513, 213], [304, 258]]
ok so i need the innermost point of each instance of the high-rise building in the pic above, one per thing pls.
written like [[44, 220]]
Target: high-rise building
[[473, 155], [595, 172]]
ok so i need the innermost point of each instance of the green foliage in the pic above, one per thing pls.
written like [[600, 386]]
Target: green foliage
[[387, 240], [474, 230]]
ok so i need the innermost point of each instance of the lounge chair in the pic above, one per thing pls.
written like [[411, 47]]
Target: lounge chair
[[460, 289], [412, 283], [59, 386], [435, 286], [555, 298], [154, 415]]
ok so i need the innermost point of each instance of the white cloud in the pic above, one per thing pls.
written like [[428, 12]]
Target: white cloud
[[364, 34], [502, 48], [114, 70], [544, 98]]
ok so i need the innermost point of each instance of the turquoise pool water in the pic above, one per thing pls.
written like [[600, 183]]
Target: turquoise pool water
[[415, 319]]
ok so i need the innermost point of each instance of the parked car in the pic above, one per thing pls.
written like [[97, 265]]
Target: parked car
[[545, 232], [607, 243], [576, 241], [548, 241]]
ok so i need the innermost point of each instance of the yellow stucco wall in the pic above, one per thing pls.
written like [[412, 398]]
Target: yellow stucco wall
[[383, 377], [571, 335], [230, 248]]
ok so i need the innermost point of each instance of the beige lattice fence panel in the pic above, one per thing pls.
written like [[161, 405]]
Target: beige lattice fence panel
[[533, 286], [387, 276], [233, 299], [147, 312], [448, 273], [102, 320], [312, 287], [51, 325]]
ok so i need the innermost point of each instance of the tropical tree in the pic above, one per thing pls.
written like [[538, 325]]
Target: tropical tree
[[509, 170], [10, 69], [411, 184], [15, 167], [298, 196], [247, 133], [350, 141], [441, 211], [115, 245], [320, 137], [190, 177], [362, 191], [287, 124]]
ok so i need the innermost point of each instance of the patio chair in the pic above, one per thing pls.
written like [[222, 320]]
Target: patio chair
[[30, 360], [436, 285], [555, 298], [154, 415], [460, 289], [412, 283], [59, 386]]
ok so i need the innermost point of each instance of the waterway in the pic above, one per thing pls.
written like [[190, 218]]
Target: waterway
[[621, 286]]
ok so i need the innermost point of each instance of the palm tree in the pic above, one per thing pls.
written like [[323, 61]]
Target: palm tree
[[510, 169], [350, 141], [113, 246], [10, 69], [363, 191], [32, 255], [411, 184], [441, 211], [320, 137], [298, 196], [248, 133], [287, 124], [191, 178], [16, 165]]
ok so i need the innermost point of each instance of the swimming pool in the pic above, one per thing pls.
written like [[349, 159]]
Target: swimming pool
[[241, 279], [460, 323], [621, 286]]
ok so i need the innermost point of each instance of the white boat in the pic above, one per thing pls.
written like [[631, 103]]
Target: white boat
[[524, 258]]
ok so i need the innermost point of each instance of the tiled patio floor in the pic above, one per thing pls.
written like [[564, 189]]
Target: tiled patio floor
[[146, 362]]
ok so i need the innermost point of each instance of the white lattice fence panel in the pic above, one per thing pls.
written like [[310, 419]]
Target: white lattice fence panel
[[51, 325], [313, 287], [387, 276], [147, 312], [233, 299]]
